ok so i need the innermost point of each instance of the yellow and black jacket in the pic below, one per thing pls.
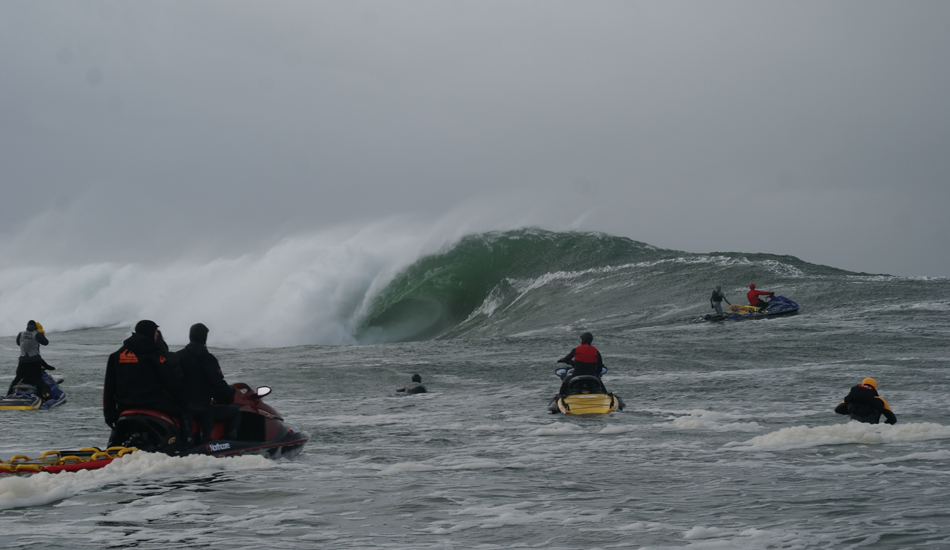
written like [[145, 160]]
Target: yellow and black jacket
[[865, 405]]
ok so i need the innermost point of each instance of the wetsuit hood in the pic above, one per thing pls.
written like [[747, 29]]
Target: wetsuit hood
[[870, 382], [416, 378], [146, 328], [752, 286], [587, 338], [198, 333]]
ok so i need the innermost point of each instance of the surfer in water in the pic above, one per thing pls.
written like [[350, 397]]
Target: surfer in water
[[414, 387], [715, 301], [865, 405], [753, 296]]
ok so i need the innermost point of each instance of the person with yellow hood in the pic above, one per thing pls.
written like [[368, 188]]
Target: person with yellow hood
[[865, 405], [30, 367]]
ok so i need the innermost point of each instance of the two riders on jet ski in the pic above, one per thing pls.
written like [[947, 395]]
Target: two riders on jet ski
[[143, 374]]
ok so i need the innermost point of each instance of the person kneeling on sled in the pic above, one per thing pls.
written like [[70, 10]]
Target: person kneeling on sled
[[865, 405], [204, 382], [29, 369], [585, 359]]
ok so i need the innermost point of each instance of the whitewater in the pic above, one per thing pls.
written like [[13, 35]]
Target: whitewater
[[729, 439]]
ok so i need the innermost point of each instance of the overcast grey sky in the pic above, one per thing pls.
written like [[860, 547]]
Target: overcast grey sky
[[134, 130]]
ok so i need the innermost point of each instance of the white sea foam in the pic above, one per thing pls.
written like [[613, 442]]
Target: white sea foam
[[613, 430], [800, 437], [558, 429], [44, 488], [315, 287], [712, 420], [404, 467]]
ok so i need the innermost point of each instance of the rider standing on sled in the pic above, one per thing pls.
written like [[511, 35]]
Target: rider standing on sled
[[29, 369], [585, 359], [753, 296], [142, 374], [204, 382], [864, 404], [715, 301]]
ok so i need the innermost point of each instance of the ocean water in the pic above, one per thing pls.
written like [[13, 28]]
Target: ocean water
[[729, 439]]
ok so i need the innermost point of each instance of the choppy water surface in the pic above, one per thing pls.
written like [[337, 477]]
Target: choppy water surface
[[729, 439]]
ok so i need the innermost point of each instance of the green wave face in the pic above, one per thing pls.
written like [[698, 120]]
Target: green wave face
[[439, 292], [515, 282]]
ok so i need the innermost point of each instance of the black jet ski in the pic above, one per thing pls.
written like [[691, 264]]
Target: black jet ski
[[26, 398], [778, 305], [262, 431], [584, 395]]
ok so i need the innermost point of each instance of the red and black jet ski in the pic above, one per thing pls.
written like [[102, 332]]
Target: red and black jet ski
[[262, 431]]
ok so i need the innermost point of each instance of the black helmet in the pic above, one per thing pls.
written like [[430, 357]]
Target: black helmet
[[587, 338]]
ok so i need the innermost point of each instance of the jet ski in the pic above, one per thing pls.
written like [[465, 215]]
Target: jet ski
[[778, 305], [262, 431], [584, 395], [26, 398]]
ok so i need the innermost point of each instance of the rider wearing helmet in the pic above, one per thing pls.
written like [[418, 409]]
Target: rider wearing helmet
[[864, 404], [585, 359]]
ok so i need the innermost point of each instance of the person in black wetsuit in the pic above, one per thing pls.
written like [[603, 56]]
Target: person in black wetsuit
[[209, 396], [585, 359], [143, 374], [864, 404], [715, 301], [413, 388], [29, 369]]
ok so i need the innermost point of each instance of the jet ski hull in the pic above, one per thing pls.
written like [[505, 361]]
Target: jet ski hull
[[262, 431], [591, 403], [584, 395], [778, 305], [25, 398]]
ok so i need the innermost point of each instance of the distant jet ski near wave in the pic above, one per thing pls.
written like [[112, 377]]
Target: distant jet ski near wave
[[25, 397], [776, 305]]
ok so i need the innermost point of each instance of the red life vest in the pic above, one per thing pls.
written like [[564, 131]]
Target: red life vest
[[585, 353]]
